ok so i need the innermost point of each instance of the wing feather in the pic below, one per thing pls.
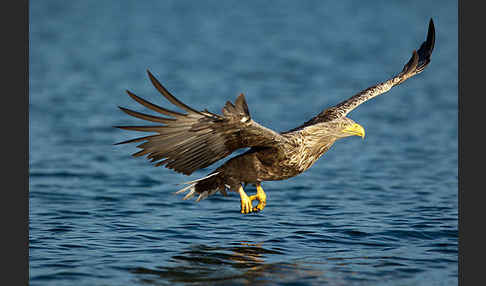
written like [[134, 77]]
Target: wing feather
[[154, 107], [190, 141], [417, 63], [168, 95], [146, 116]]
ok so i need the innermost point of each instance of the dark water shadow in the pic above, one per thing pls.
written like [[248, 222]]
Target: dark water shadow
[[243, 263]]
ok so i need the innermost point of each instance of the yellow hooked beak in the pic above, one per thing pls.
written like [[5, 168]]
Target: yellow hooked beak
[[355, 129]]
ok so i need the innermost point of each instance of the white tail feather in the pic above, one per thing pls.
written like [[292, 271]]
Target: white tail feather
[[202, 196], [200, 179], [184, 189], [191, 186], [190, 194]]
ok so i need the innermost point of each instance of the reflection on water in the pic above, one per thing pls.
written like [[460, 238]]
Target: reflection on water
[[243, 263], [250, 263]]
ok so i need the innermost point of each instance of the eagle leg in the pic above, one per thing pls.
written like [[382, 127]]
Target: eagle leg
[[246, 206], [261, 197]]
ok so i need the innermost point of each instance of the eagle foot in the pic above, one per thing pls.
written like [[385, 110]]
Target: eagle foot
[[246, 205], [261, 197], [246, 202]]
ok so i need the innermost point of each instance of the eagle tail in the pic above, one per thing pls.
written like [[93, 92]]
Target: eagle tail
[[205, 187]]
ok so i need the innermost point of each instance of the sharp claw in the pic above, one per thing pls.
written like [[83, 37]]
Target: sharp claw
[[246, 207]]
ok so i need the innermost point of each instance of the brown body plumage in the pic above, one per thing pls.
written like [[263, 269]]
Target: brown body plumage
[[189, 141]]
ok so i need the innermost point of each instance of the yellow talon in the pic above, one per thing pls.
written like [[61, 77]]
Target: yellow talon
[[246, 206], [261, 197], [246, 201]]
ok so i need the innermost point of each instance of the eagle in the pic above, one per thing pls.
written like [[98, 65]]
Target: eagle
[[191, 140]]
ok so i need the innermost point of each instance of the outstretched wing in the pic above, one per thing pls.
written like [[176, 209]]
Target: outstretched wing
[[189, 141], [417, 63]]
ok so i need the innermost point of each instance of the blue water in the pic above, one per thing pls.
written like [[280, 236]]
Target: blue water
[[378, 211]]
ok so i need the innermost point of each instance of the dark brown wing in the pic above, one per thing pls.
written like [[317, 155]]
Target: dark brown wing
[[189, 141], [417, 63]]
